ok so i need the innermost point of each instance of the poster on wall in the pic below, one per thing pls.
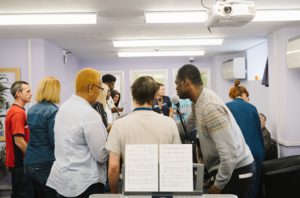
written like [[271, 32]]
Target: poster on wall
[[205, 76], [160, 76], [10, 76]]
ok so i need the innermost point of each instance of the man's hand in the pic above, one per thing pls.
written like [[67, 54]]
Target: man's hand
[[21, 143], [214, 190], [113, 171]]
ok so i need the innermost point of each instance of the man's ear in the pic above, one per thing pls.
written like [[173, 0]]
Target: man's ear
[[187, 82], [17, 93], [90, 87]]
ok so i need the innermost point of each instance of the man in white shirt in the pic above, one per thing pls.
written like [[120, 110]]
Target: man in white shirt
[[110, 81], [142, 126], [80, 167]]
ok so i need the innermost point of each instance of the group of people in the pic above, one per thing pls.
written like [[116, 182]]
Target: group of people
[[74, 149]]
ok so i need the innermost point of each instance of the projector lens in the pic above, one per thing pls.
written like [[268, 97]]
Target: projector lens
[[227, 10]]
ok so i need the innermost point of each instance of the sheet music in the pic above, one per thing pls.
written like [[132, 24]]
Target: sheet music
[[176, 168], [141, 168]]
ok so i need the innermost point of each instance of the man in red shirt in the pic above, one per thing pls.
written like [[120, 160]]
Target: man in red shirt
[[17, 137]]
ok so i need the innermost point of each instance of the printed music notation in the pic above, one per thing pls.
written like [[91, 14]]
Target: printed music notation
[[175, 168]]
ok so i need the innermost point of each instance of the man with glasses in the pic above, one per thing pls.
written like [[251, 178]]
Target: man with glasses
[[80, 166], [17, 137]]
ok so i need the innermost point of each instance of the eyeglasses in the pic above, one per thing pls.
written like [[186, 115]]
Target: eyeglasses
[[99, 87]]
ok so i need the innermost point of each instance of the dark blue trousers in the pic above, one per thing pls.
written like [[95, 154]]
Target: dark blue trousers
[[21, 186]]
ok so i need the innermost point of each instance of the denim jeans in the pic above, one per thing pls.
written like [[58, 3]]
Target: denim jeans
[[38, 175], [256, 187], [21, 186]]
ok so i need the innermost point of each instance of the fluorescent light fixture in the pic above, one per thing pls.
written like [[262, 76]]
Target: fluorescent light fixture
[[201, 16], [293, 52], [277, 15], [168, 42], [176, 17], [161, 53], [48, 19]]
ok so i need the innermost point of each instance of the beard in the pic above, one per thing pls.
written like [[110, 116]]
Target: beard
[[183, 95]]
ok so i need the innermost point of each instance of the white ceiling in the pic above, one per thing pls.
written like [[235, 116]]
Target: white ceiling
[[124, 19]]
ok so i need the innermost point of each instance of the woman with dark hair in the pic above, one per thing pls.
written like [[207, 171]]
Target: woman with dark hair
[[116, 96], [248, 120], [161, 103]]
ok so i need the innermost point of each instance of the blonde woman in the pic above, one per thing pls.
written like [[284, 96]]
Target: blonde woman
[[40, 150]]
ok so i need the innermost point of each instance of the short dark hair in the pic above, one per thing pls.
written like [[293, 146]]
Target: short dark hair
[[190, 72], [144, 90], [107, 78], [17, 86]]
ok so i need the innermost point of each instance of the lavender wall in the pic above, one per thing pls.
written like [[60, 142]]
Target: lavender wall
[[13, 53], [259, 94], [54, 66], [38, 58], [36, 63], [280, 102], [127, 64]]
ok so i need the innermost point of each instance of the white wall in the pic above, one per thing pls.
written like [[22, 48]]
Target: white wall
[[256, 60], [219, 85], [258, 94], [284, 92]]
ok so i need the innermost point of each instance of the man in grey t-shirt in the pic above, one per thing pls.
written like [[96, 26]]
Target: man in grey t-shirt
[[142, 126]]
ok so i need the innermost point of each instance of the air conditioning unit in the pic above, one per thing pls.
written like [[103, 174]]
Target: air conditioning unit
[[234, 69], [232, 13], [293, 53]]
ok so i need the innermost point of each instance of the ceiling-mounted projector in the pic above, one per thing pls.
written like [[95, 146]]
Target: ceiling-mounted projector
[[230, 13]]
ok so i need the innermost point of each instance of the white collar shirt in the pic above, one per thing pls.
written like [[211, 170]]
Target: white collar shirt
[[80, 152]]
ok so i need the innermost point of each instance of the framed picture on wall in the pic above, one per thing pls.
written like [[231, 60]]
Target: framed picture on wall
[[160, 76], [11, 75]]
